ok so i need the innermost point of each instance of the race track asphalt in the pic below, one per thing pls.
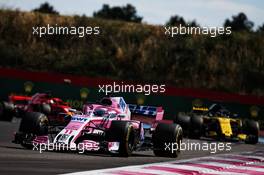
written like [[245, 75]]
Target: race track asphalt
[[14, 159]]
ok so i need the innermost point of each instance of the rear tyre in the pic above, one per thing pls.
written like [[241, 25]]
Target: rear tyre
[[196, 127], [45, 108], [183, 120], [6, 111], [33, 124], [122, 132], [251, 128], [165, 138]]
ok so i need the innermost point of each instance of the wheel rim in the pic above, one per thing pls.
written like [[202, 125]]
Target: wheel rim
[[179, 140], [130, 144], [130, 141], [43, 123]]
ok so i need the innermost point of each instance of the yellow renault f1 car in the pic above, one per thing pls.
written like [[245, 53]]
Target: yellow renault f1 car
[[218, 123]]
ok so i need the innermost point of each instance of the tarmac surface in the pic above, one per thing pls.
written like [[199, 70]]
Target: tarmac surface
[[14, 159]]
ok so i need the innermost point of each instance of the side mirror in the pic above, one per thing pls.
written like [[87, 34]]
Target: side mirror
[[121, 115]]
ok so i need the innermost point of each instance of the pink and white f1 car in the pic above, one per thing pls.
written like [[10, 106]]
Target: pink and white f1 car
[[110, 125]]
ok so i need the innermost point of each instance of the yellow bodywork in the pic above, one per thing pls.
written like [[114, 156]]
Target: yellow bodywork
[[225, 126], [242, 136], [226, 129]]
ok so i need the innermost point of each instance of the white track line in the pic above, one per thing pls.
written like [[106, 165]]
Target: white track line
[[235, 164]]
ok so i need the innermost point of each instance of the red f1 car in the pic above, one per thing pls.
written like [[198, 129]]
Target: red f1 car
[[19, 106]]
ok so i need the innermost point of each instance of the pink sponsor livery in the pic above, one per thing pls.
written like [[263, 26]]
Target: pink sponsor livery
[[110, 125]]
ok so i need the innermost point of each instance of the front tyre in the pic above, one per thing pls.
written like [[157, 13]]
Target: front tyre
[[122, 132], [32, 124], [167, 139], [251, 128]]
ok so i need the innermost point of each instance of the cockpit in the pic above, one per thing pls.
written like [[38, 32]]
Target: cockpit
[[100, 112]]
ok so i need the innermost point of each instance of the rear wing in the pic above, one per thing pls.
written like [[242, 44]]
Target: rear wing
[[19, 99], [146, 114], [202, 109]]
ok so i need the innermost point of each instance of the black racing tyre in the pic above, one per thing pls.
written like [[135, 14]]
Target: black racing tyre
[[122, 132], [183, 120], [6, 111], [34, 123], [167, 139], [196, 127], [251, 129], [45, 108], [42, 108]]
